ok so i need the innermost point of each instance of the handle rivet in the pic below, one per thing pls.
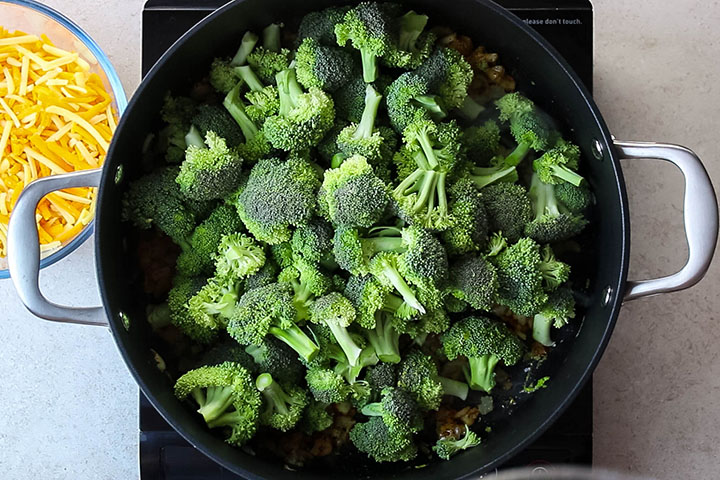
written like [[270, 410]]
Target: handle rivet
[[119, 172], [597, 149], [607, 295], [125, 320]]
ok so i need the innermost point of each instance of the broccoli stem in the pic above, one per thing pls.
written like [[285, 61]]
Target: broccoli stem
[[337, 160], [397, 307], [541, 330], [297, 340], [369, 64], [454, 388], [399, 283], [273, 393], [367, 122], [288, 89], [428, 149], [234, 105], [470, 109], [226, 419], [431, 104], [482, 372], [373, 410], [564, 173], [385, 340], [271, 37], [194, 137], [382, 244], [217, 401], [429, 185], [249, 77], [517, 155], [411, 27], [482, 177], [247, 45], [348, 345], [302, 299], [411, 183]]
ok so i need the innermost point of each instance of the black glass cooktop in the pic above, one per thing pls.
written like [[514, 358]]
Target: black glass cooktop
[[568, 25]]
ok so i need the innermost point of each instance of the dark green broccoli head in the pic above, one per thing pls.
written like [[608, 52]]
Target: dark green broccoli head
[[482, 142], [368, 296], [327, 68], [316, 418], [519, 277], [556, 312], [222, 75], [448, 73], [397, 409], [550, 224], [326, 385], [267, 63], [418, 376], [210, 173], [228, 350], [474, 280], [350, 100], [283, 407], [205, 240], [508, 208], [424, 263], [558, 164], [363, 138], [177, 112], [277, 359], [469, 232], [213, 118], [278, 194], [258, 310], [575, 199], [202, 330], [382, 443], [320, 25], [314, 240], [381, 376]]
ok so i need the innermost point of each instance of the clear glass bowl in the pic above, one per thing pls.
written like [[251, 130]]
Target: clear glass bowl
[[35, 18]]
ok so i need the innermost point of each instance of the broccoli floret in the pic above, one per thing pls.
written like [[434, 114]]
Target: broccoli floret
[[308, 282], [227, 397], [326, 385], [350, 100], [214, 304], [381, 376], [411, 46], [557, 165], [277, 359], [327, 68], [408, 99], [213, 118], [382, 443], [484, 343], [210, 173], [508, 208], [449, 74], [315, 418], [418, 376], [184, 288], [269, 310], [155, 199], [397, 409], [304, 117], [313, 241], [574, 199], [496, 244], [530, 128], [337, 313], [557, 312], [238, 256], [205, 240], [519, 277], [363, 138], [554, 272], [278, 194], [270, 58], [256, 145], [158, 316], [469, 229], [550, 224], [283, 406], [352, 196], [177, 112], [320, 25], [474, 280], [370, 297], [482, 143], [369, 28], [228, 350], [222, 75], [446, 447], [328, 149], [265, 276], [247, 44]]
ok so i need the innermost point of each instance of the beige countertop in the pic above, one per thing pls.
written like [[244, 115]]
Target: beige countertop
[[70, 406]]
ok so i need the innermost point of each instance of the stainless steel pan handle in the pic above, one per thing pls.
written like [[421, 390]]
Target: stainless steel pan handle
[[700, 212], [24, 250]]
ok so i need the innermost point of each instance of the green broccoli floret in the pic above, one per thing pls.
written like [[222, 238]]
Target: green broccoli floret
[[256, 145], [155, 199], [557, 165], [382, 443], [509, 209], [184, 288], [550, 224], [269, 310], [385, 267], [408, 99], [210, 173], [469, 229], [315, 418], [247, 44], [337, 313], [177, 112], [320, 25], [496, 244], [214, 304], [385, 339], [574, 199], [308, 282], [474, 280], [278, 194], [519, 277], [370, 297], [238, 256], [482, 142], [419, 377], [283, 406], [277, 359], [205, 240], [326, 385], [352, 196], [449, 74], [227, 397], [314, 240], [214, 118], [350, 100], [228, 350], [411, 45], [369, 28], [397, 409], [381, 376], [530, 128], [554, 272], [265, 276], [446, 447], [222, 75], [484, 343], [158, 316], [327, 68], [304, 117], [557, 312], [270, 58], [363, 138]]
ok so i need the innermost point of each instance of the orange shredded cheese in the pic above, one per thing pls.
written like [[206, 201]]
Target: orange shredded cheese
[[55, 117]]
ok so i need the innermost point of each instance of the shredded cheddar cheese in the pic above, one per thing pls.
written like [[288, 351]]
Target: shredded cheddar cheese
[[55, 117]]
